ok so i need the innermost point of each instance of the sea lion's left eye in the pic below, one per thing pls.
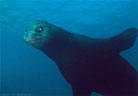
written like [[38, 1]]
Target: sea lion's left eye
[[39, 29]]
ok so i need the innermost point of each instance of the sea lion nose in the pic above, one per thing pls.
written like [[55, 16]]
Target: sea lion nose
[[26, 40], [27, 37]]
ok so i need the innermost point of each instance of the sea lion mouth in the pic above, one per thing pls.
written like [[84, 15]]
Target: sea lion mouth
[[32, 39]]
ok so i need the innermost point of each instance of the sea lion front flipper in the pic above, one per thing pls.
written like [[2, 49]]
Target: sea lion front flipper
[[125, 40]]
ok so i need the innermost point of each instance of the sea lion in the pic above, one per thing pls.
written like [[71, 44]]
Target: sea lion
[[88, 64]]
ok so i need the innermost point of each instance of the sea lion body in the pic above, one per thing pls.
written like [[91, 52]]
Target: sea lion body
[[89, 65]]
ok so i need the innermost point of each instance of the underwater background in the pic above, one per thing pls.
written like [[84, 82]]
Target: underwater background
[[26, 71]]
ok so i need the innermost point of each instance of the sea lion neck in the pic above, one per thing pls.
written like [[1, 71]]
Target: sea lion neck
[[56, 44]]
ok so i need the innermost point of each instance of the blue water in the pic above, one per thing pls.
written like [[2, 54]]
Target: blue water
[[25, 70]]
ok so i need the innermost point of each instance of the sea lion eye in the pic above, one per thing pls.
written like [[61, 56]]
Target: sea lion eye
[[39, 29]]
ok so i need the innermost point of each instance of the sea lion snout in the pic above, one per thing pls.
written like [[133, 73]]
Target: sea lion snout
[[29, 38]]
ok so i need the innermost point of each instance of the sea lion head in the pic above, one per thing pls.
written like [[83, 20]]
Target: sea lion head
[[37, 33]]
